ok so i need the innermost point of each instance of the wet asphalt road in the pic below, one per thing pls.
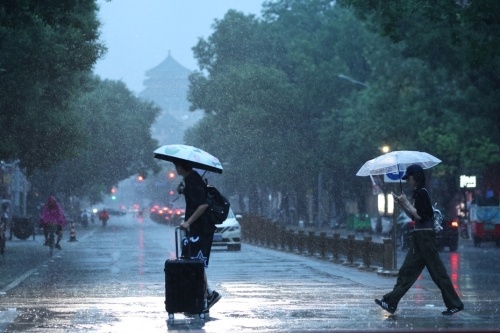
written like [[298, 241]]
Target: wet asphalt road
[[111, 280]]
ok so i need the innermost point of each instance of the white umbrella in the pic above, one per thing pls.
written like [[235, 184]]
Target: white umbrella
[[397, 161], [198, 158]]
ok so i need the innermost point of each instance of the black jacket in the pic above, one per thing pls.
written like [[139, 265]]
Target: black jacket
[[423, 205], [195, 193]]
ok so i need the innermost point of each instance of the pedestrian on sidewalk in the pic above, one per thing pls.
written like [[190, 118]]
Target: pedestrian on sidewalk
[[423, 250], [201, 232]]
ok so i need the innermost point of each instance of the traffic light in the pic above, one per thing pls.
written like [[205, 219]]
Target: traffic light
[[113, 193], [171, 175]]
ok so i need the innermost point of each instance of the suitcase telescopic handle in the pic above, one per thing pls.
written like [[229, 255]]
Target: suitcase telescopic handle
[[177, 236]]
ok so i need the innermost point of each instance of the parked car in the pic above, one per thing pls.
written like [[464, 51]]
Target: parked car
[[448, 237], [229, 233]]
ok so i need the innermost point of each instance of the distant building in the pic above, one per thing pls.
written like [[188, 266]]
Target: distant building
[[167, 86]]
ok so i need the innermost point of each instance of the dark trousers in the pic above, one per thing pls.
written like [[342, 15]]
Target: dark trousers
[[423, 252]]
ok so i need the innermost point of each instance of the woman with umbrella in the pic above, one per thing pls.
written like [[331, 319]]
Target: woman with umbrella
[[423, 251]]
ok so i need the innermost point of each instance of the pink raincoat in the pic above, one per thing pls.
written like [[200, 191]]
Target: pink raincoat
[[52, 212]]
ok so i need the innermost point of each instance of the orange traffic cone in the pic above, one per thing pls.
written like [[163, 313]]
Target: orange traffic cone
[[72, 233]]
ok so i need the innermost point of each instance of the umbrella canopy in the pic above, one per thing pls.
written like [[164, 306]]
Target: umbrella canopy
[[198, 158], [397, 161]]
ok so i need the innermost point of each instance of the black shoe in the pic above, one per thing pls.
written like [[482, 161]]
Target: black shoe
[[452, 311], [58, 246], [384, 305], [214, 298]]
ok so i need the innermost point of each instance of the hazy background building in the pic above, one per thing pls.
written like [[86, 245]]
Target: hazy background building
[[167, 85]]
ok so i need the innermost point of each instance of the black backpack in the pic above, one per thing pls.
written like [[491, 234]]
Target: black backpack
[[218, 206], [437, 218]]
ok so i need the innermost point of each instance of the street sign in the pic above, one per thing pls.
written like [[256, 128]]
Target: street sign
[[467, 181], [394, 177]]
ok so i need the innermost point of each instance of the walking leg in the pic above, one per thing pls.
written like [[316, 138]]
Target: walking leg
[[408, 273], [438, 273]]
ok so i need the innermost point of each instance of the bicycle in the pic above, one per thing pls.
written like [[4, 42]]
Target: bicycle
[[51, 235]]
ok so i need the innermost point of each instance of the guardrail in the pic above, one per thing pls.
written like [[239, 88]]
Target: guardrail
[[363, 254]]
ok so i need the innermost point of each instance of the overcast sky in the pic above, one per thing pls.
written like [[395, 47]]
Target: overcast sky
[[140, 33]]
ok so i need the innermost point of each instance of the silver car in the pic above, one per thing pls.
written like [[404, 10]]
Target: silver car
[[229, 233]]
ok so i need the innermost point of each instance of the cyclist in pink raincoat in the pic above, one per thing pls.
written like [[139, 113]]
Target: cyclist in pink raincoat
[[52, 213]]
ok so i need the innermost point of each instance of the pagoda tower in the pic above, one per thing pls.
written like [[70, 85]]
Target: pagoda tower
[[167, 85]]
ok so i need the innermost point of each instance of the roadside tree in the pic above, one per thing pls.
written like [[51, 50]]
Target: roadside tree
[[46, 51], [117, 144]]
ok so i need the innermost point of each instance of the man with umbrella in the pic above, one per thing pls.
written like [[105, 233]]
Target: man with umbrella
[[423, 251], [201, 233]]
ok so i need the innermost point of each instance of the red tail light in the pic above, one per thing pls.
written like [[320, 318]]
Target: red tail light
[[454, 224]]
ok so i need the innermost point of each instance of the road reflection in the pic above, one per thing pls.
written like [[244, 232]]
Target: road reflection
[[454, 275]]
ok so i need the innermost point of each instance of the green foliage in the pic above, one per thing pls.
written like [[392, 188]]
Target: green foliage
[[45, 50], [265, 108], [254, 126], [118, 142], [309, 88], [458, 41]]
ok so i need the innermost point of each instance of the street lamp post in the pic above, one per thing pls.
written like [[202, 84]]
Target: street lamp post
[[389, 208]]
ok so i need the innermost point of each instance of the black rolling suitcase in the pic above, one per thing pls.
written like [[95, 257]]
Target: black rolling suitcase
[[184, 284]]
